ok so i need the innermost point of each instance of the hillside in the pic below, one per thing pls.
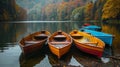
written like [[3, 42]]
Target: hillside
[[10, 11], [50, 9]]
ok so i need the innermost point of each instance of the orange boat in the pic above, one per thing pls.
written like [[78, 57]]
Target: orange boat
[[59, 43], [34, 42], [88, 43]]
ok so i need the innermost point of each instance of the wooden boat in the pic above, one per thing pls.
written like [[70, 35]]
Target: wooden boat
[[59, 43], [88, 43], [33, 42], [105, 37], [86, 24], [92, 27]]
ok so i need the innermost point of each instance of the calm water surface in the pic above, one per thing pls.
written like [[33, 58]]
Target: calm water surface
[[12, 56]]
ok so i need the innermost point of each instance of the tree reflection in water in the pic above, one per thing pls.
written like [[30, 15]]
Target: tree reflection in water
[[11, 33]]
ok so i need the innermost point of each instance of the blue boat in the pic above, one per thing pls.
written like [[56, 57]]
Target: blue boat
[[107, 38], [92, 27]]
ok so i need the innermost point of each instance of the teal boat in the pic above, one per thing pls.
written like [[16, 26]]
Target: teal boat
[[107, 38], [92, 27]]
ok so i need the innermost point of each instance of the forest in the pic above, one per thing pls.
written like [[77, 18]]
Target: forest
[[10, 11], [59, 10]]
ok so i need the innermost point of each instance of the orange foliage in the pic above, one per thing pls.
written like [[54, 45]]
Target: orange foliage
[[89, 7], [88, 11], [63, 9], [49, 9], [87, 19]]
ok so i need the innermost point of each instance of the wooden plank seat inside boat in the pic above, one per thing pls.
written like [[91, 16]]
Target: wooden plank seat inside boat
[[59, 44], [87, 41], [40, 37], [59, 38], [27, 43], [55, 43], [91, 43], [77, 36]]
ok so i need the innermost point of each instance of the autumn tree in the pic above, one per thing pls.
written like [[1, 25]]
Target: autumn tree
[[50, 11], [78, 14], [65, 8], [35, 12], [61, 10], [88, 11], [111, 9], [97, 9], [9, 10]]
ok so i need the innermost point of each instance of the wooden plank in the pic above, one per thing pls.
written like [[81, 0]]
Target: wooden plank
[[90, 43], [59, 42]]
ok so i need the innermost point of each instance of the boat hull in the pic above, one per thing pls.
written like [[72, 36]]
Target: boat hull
[[92, 27], [33, 42], [32, 48], [59, 51], [89, 49], [107, 38], [59, 43], [88, 43]]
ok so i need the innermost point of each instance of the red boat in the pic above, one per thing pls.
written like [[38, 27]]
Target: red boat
[[86, 24], [88, 43]]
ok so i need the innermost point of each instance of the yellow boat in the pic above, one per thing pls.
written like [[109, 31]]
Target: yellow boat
[[88, 43], [59, 43]]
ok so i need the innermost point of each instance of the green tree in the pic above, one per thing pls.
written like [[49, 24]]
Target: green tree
[[35, 12], [97, 9], [78, 14]]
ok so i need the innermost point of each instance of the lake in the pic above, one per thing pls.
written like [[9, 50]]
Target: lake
[[11, 55]]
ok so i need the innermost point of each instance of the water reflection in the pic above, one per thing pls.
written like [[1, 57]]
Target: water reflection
[[55, 62], [11, 56], [84, 59], [73, 58], [11, 32], [5, 46], [31, 61], [115, 30]]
